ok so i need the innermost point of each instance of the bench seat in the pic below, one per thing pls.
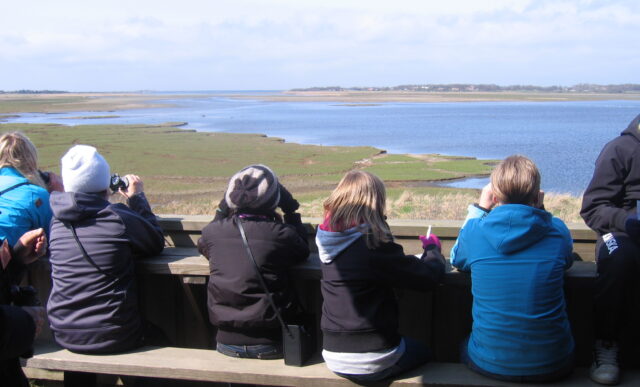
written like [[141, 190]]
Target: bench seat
[[210, 366]]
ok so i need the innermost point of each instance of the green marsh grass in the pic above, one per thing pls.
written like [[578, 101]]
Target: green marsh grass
[[186, 172]]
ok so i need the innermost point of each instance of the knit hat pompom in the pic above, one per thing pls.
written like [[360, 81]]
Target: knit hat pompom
[[254, 187], [85, 170]]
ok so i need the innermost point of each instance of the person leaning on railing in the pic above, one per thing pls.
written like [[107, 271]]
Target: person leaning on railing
[[238, 305], [93, 306], [517, 254], [24, 194], [361, 266]]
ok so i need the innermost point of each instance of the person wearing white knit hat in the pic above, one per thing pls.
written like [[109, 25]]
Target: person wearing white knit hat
[[85, 170], [93, 245]]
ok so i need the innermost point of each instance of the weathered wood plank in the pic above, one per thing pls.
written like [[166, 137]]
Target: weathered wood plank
[[208, 365], [184, 231]]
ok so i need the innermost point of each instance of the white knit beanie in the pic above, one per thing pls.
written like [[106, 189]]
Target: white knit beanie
[[85, 170]]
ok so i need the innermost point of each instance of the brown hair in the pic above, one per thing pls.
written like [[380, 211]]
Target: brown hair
[[17, 151], [359, 198], [516, 180]]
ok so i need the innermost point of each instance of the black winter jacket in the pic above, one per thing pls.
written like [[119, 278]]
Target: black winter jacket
[[238, 305], [615, 186], [360, 311], [17, 328], [95, 309]]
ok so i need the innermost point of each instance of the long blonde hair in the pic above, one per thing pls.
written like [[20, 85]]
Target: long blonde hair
[[17, 151], [359, 198]]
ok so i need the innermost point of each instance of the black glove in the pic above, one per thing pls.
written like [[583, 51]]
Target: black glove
[[632, 227], [287, 203]]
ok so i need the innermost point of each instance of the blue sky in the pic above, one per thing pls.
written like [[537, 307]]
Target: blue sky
[[205, 45]]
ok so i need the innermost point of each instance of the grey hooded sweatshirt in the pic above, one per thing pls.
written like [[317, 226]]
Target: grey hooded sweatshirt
[[93, 306]]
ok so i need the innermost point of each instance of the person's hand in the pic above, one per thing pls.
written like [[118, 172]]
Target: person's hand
[[37, 314], [55, 183], [431, 240], [287, 203], [31, 246], [632, 227], [487, 199], [135, 186]]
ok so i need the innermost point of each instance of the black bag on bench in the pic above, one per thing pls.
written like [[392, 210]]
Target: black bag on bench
[[298, 340]]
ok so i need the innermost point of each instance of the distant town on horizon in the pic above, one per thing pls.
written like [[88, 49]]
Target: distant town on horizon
[[439, 88], [469, 87]]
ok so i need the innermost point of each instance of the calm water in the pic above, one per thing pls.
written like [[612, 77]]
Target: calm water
[[563, 138]]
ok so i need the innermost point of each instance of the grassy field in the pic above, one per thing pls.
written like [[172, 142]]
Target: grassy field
[[186, 172]]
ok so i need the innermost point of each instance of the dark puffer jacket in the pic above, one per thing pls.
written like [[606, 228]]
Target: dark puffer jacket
[[238, 305], [94, 309], [615, 186]]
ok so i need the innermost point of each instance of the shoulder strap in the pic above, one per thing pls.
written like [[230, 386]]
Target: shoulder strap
[[4, 191], [86, 256], [262, 283]]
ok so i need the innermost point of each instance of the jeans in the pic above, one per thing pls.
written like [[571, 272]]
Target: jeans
[[563, 371], [415, 354], [258, 351]]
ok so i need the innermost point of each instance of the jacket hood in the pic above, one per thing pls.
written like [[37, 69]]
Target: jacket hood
[[74, 206], [331, 244], [633, 128], [514, 227]]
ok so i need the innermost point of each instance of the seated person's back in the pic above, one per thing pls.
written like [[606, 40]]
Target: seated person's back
[[93, 306], [517, 253]]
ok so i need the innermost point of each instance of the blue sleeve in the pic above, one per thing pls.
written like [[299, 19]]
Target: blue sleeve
[[458, 257], [41, 210]]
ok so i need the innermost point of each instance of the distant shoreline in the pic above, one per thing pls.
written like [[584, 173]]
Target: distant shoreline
[[11, 104], [368, 97]]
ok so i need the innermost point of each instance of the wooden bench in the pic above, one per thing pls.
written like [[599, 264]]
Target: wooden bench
[[210, 366], [173, 297]]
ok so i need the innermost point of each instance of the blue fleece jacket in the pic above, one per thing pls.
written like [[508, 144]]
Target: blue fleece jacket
[[23, 208], [517, 256]]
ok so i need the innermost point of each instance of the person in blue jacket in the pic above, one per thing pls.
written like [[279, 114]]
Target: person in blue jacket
[[24, 195], [517, 254]]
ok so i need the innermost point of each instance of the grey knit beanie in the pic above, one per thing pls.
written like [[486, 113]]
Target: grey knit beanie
[[254, 187]]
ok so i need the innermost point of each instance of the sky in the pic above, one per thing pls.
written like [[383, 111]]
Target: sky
[[134, 45]]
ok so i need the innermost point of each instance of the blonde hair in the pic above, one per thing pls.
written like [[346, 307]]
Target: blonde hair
[[17, 151], [516, 180], [359, 198]]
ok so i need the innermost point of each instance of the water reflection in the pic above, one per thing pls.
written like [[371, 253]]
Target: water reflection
[[472, 182]]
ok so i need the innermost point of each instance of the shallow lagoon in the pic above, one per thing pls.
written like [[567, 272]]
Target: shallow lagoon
[[563, 138]]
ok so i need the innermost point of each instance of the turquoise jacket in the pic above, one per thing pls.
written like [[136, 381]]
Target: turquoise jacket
[[23, 208], [517, 256]]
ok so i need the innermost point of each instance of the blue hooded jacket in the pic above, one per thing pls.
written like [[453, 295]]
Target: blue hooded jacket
[[517, 256], [23, 208]]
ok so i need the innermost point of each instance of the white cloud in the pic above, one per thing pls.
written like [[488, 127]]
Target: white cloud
[[277, 43]]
